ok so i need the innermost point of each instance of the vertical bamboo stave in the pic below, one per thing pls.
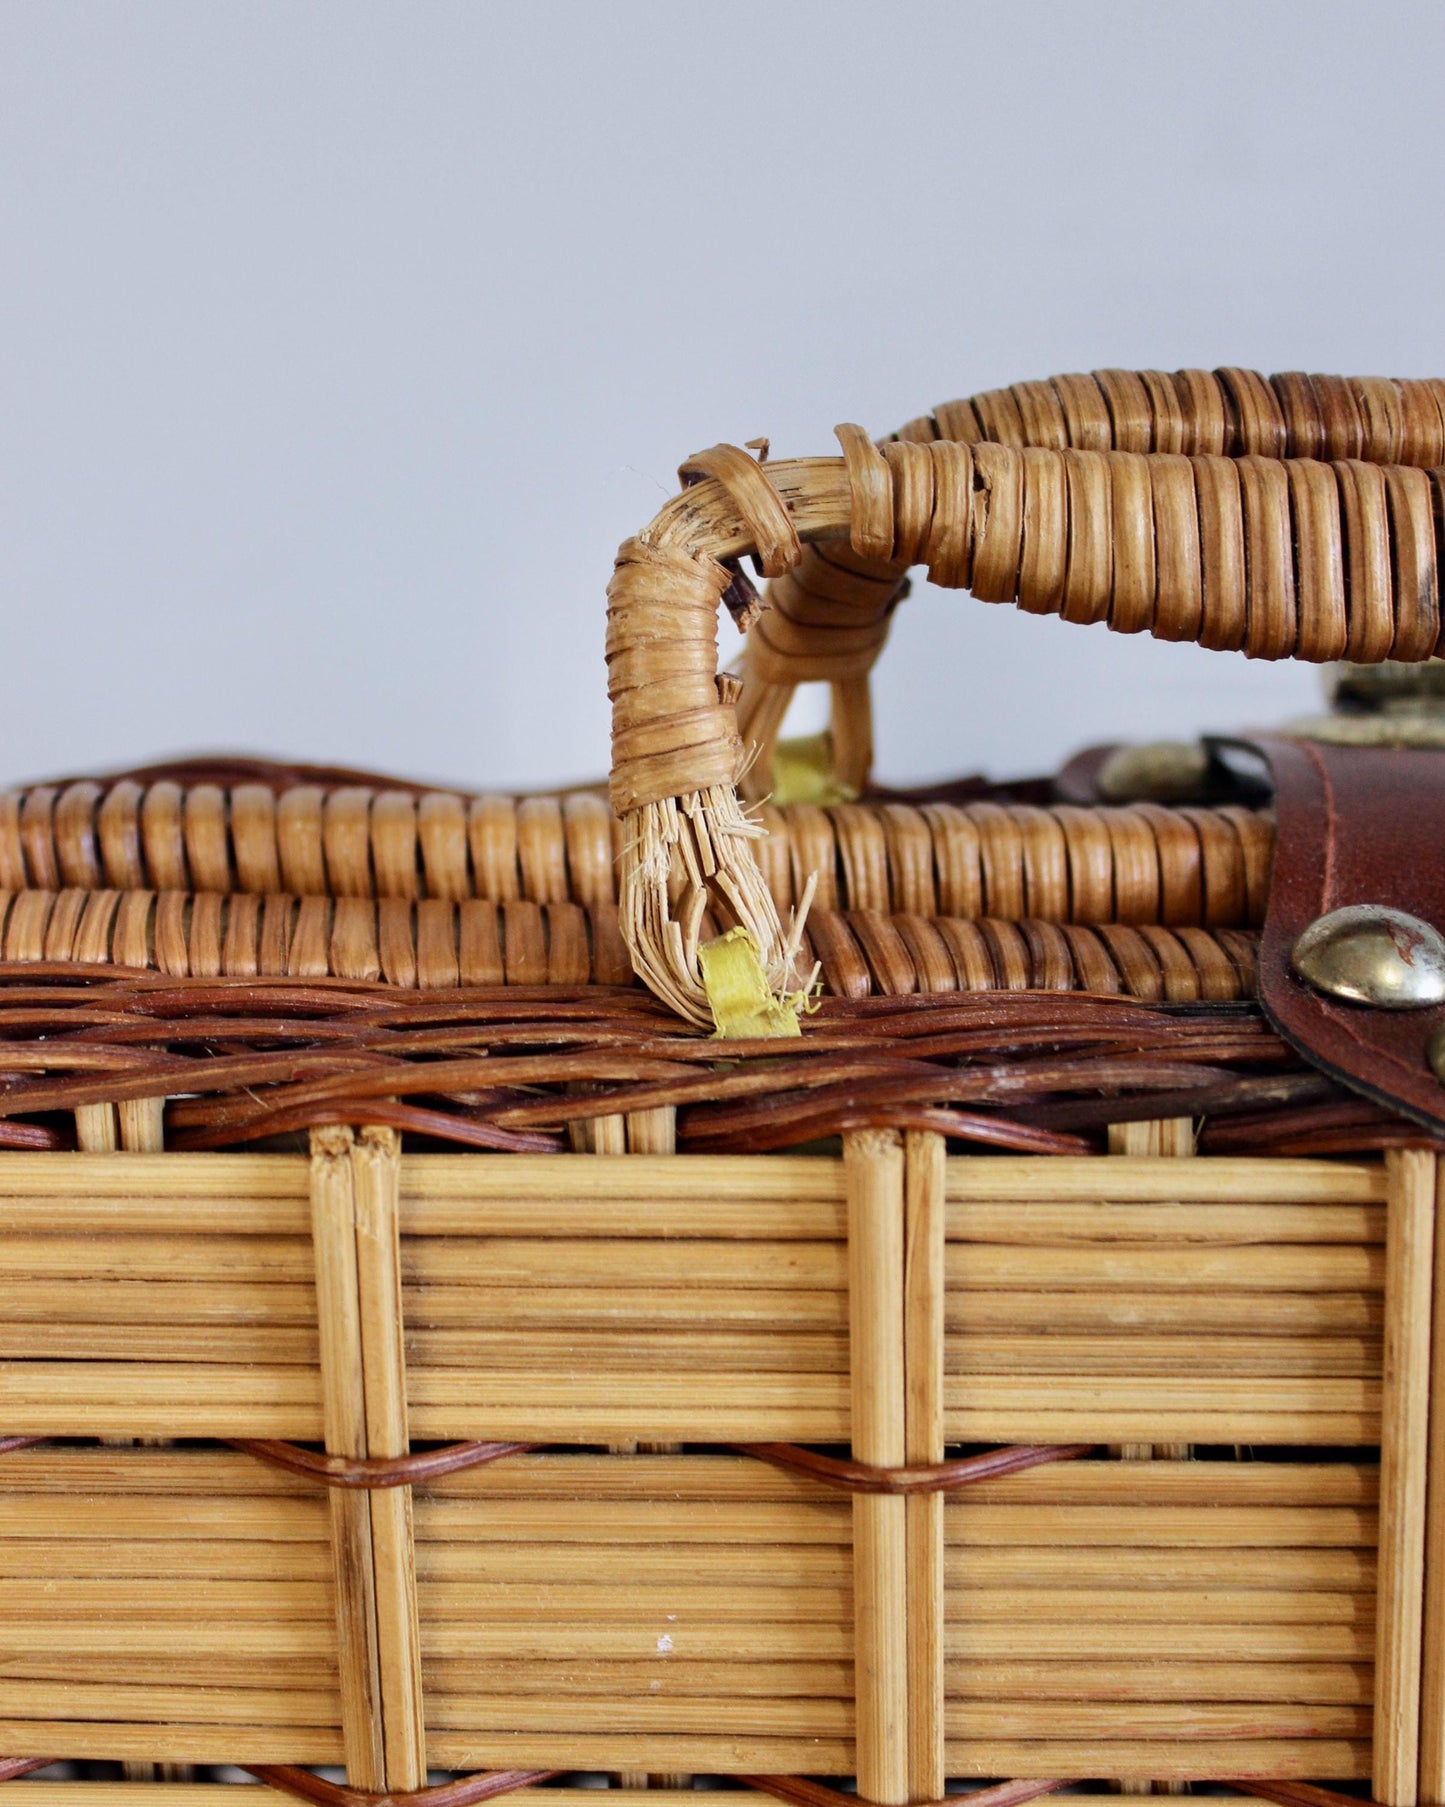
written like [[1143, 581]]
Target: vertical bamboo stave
[[873, 1170], [1432, 1681], [355, 1230], [923, 1331], [1170, 1136], [1404, 1436]]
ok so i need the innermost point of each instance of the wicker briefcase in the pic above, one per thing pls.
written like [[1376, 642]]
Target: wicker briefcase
[[913, 1291]]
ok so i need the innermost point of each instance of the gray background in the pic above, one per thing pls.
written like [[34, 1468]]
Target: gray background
[[341, 344]]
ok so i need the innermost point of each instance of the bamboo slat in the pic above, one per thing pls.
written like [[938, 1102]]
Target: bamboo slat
[[597, 1261], [1162, 1759], [282, 1346], [97, 1130], [725, 1753], [662, 1677], [119, 1702], [874, 1173], [338, 1314], [1347, 1684], [228, 1609], [1271, 1267], [164, 1521], [85, 1302], [142, 1124], [63, 1565], [1320, 1412], [1156, 1640], [592, 1408], [1404, 1455], [1142, 1526], [1271, 1356], [1280, 1314], [354, 1203], [1432, 1679], [630, 1305], [923, 1331], [1178, 1223], [1338, 1482], [826, 1721], [1344, 1684], [136, 1125], [1172, 1137], [375, 1167], [162, 1399], [1092, 1719], [631, 1636], [1087, 1617], [263, 1742], [444, 1194], [1022, 1179], [1308, 1570]]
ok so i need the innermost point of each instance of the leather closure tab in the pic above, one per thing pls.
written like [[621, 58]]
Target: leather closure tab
[[1357, 826]]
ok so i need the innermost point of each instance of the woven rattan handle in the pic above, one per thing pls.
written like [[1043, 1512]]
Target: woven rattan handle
[[1294, 517], [1249, 546]]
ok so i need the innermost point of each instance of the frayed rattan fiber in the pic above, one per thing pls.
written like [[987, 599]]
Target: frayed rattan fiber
[[1193, 507]]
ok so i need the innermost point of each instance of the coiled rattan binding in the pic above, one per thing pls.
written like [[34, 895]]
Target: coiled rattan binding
[[431, 890], [1060, 863], [1289, 517]]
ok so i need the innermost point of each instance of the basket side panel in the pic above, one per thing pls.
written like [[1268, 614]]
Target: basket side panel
[[590, 1299], [655, 1612], [1165, 1620], [166, 1604], [1129, 1300], [157, 1295]]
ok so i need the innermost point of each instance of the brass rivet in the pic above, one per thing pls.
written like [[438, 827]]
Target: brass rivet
[[1369, 954], [1435, 1053]]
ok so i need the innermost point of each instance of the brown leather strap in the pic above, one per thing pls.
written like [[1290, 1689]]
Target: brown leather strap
[[1357, 825]]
